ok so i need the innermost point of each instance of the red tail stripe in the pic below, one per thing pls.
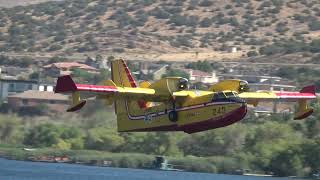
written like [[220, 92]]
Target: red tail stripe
[[296, 95], [130, 77], [96, 88], [142, 104]]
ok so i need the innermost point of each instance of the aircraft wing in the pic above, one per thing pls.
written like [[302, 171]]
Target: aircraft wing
[[307, 93], [109, 91]]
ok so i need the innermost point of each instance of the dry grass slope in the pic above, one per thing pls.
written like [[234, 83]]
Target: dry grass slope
[[12, 3], [170, 29]]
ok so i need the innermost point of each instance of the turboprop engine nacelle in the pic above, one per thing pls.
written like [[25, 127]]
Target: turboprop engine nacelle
[[168, 85], [231, 84]]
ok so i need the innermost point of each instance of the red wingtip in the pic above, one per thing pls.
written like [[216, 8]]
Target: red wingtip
[[309, 89], [65, 84]]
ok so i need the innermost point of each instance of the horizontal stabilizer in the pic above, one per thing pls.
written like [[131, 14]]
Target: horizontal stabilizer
[[302, 115], [76, 107], [109, 83], [303, 110], [65, 84]]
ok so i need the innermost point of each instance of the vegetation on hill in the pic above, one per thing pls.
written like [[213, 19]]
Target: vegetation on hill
[[12, 3], [153, 25]]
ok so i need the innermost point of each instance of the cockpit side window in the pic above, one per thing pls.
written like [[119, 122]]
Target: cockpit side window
[[183, 84], [219, 96]]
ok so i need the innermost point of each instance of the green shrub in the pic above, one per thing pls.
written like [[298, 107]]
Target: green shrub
[[159, 13], [252, 53], [314, 25], [55, 47], [206, 3]]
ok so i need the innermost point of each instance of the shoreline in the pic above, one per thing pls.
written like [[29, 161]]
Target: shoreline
[[109, 159]]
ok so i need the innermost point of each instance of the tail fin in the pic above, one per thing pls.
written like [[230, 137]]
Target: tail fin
[[121, 74]]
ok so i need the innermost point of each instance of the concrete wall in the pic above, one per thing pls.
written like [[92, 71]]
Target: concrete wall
[[55, 105], [13, 87]]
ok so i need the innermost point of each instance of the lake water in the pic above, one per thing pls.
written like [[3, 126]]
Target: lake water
[[20, 170]]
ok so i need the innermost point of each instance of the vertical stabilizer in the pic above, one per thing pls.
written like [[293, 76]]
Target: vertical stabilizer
[[121, 74], [122, 77]]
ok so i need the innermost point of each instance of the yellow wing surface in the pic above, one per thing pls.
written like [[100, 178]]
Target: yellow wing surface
[[122, 86], [307, 93]]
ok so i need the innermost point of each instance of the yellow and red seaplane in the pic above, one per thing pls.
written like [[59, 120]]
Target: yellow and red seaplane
[[169, 105]]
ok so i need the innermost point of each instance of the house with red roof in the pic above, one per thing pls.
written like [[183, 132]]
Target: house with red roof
[[66, 68]]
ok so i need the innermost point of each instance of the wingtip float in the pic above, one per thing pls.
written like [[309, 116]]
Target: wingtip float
[[168, 104]]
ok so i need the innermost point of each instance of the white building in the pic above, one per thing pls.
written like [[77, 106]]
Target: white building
[[204, 77]]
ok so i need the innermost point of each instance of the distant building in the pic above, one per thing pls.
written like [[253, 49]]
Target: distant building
[[233, 49], [99, 64], [33, 98], [257, 82], [14, 71], [155, 71], [65, 68], [200, 76], [13, 86]]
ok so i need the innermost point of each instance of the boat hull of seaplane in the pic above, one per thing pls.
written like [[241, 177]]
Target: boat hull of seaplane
[[194, 118]]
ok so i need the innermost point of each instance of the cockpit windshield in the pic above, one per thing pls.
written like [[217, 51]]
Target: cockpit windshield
[[227, 96], [230, 94]]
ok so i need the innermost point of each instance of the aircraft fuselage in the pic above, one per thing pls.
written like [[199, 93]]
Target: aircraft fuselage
[[202, 111]]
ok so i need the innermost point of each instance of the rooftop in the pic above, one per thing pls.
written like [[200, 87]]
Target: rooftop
[[70, 65], [41, 95], [197, 73], [12, 79]]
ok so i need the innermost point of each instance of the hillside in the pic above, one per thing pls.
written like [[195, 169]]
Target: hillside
[[12, 3], [156, 27]]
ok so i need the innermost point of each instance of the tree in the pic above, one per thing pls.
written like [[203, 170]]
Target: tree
[[159, 143], [288, 162], [214, 143], [50, 135], [314, 25], [311, 151], [44, 135], [101, 138], [10, 129], [206, 22], [270, 139], [252, 53], [55, 47], [160, 13], [315, 46], [271, 49], [182, 41], [205, 3], [201, 65], [83, 75]]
